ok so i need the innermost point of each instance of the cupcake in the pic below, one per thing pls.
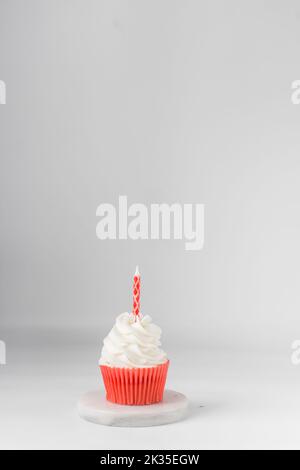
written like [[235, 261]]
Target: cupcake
[[133, 366]]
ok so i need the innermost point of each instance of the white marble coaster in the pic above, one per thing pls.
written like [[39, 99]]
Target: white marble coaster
[[94, 407]]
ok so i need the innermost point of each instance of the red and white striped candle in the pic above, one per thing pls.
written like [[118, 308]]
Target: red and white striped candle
[[136, 293]]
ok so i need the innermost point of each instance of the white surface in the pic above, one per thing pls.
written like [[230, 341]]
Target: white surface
[[94, 407], [239, 399]]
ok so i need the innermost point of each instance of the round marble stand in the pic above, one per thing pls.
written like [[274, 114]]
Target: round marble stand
[[94, 407]]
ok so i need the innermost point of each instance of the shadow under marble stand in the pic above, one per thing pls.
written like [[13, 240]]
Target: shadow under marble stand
[[94, 407]]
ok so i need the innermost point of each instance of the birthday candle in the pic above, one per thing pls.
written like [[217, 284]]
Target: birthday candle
[[136, 292]]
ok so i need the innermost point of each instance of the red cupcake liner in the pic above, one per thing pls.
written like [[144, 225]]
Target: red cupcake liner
[[135, 386]]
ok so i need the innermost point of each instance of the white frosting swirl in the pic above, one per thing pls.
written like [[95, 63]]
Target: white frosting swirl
[[133, 342]]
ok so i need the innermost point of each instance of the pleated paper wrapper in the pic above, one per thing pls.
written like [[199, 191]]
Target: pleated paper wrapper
[[135, 386]]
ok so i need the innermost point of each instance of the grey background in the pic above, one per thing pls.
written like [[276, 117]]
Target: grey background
[[162, 101]]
